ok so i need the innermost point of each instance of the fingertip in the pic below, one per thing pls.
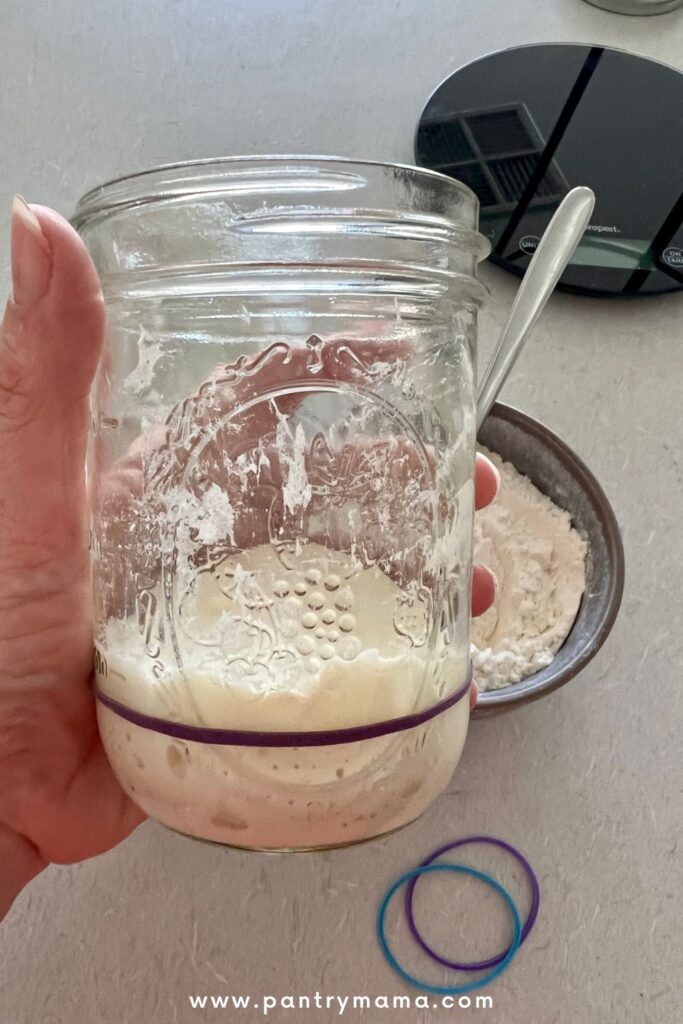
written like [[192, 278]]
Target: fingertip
[[483, 589], [73, 269], [474, 695], [57, 308], [486, 481]]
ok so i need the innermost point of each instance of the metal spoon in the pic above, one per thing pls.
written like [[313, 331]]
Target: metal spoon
[[554, 252]]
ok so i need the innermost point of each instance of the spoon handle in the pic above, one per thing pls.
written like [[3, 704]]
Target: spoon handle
[[554, 252]]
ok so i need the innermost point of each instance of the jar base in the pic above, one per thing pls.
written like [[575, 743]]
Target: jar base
[[322, 848]]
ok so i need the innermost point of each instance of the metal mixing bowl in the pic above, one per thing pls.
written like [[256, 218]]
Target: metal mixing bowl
[[554, 468]]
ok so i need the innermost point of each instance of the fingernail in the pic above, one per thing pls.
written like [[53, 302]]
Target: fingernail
[[31, 255]]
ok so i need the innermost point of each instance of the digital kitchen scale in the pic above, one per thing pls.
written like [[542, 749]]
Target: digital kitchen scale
[[523, 126]]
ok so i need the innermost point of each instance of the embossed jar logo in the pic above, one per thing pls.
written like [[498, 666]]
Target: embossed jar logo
[[279, 523]]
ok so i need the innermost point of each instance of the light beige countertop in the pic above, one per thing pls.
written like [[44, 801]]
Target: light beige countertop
[[588, 782]]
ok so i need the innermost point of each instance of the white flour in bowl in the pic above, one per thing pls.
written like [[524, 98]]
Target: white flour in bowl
[[539, 560]]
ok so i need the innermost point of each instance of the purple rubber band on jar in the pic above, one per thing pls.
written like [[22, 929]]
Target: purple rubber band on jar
[[493, 961], [253, 738]]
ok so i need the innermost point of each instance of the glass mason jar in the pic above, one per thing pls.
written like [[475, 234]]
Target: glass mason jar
[[281, 478]]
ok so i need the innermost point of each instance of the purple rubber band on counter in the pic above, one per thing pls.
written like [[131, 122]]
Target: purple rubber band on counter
[[251, 738], [482, 965]]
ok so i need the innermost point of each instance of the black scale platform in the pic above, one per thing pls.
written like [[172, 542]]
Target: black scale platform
[[523, 126]]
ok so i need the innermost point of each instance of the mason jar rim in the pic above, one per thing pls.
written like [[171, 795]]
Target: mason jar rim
[[96, 201]]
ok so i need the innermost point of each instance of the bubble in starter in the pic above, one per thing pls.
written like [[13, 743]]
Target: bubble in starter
[[349, 648], [346, 623], [313, 576], [305, 645], [300, 588], [309, 620], [316, 600], [328, 616], [280, 588], [332, 582], [326, 651], [344, 599]]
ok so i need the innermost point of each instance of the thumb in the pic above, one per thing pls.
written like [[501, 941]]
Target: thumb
[[50, 342]]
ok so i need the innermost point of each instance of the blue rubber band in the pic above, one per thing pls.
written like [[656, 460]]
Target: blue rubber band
[[470, 986]]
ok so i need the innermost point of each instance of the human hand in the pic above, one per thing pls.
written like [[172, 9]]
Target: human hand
[[60, 801]]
